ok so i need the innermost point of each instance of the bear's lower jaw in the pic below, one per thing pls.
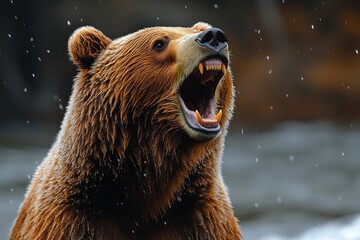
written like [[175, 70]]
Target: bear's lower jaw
[[209, 127]]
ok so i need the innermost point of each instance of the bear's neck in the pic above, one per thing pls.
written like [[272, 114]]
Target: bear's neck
[[119, 170]]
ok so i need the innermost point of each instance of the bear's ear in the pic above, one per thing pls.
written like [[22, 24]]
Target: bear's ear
[[85, 45], [201, 26]]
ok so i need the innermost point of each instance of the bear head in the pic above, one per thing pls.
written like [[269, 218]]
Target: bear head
[[173, 80]]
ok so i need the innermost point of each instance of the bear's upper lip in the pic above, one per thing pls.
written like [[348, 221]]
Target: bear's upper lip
[[197, 94]]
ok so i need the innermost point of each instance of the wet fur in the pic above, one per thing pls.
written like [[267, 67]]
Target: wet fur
[[122, 166]]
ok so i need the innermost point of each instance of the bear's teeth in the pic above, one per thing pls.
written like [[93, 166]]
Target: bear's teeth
[[223, 68], [206, 122], [218, 116], [201, 68]]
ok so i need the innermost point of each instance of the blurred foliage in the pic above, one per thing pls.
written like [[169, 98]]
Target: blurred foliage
[[291, 60]]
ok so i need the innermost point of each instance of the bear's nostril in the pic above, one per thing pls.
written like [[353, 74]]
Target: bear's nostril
[[213, 38]]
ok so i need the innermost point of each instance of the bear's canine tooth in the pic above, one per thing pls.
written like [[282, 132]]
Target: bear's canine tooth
[[201, 68], [218, 116], [223, 68]]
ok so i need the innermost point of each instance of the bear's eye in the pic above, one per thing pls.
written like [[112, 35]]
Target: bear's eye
[[160, 45]]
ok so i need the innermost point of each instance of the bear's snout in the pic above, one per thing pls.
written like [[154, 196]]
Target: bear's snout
[[213, 38]]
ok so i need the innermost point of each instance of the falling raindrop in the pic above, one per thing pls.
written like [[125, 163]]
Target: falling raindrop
[[25, 90], [9, 35], [356, 51], [279, 200], [291, 158], [68, 22], [312, 26], [48, 51], [256, 205], [216, 6], [33, 75]]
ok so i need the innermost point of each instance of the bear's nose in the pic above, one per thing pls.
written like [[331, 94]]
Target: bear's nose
[[213, 38]]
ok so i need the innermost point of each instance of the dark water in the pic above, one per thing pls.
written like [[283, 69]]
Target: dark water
[[296, 181]]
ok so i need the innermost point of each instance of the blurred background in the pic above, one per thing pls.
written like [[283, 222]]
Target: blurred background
[[292, 157]]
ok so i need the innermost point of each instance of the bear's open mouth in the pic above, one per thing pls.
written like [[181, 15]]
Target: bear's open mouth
[[197, 94]]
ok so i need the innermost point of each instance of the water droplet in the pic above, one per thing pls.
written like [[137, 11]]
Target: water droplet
[[11, 190], [343, 154], [39, 58], [61, 107], [25, 90], [312, 26], [28, 176], [340, 198], [31, 39], [9, 35], [270, 71], [27, 121], [68, 22], [242, 131], [271, 108], [164, 223], [256, 160], [356, 51], [302, 78], [291, 158], [216, 6], [48, 51], [287, 95], [33, 75], [279, 200], [267, 57], [10, 201], [256, 205], [145, 175], [185, 7], [157, 18], [259, 146]]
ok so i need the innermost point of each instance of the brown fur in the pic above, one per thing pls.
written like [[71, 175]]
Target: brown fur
[[122, 166]]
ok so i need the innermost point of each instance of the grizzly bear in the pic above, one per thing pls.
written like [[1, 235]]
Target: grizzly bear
[[139, 151]]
